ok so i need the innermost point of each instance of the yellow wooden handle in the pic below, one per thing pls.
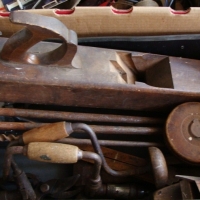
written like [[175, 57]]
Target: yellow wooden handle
[[52, 152], [48, 133]]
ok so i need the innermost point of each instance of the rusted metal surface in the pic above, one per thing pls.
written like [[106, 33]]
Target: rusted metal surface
[[38, 28], [98, 129], [186, 190], [122, 95], [110, 143], [22, 126], [23, 183], [182, 131], [8, 158], [70, 75], [85, 169], [73, 116], [76, 141], [73, 85], [172, 192], [159, 166], [121, 191], [58, 188], [126, 130], [98, 150], [191, 178]]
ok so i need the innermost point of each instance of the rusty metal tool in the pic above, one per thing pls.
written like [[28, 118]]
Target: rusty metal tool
[[191, 178], [56, 131], [34, 151], [61, 153], [182, 131], [58, 188], [56, 153], [187, 190], [8, 158], [110, 143], [47, 133], [80, 117], [97, 148], [98, 129], [122, 191], [123, 188], [95, 78], [15, 49], [182, 190], [76, 141], [170, 192], [23, 183], [54, 188]]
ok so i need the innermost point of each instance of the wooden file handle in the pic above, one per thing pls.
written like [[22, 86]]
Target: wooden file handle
[[52, 152]]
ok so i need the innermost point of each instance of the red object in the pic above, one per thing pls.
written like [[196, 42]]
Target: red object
[[121, 11], [179, 12], [4, 14], [64, 12]]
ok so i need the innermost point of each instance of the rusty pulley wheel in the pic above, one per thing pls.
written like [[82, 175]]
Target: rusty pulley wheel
[[183, 131]]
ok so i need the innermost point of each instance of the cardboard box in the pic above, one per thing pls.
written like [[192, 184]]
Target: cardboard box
[[106, 21]]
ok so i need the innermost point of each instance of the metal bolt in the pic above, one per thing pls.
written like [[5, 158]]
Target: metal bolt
[[195, 128], [44, 188]]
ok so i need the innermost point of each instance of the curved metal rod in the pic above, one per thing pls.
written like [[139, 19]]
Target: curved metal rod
[[97, 148], [97, 163]]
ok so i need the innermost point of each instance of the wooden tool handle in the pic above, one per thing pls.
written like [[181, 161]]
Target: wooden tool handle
[[48, 133], [52, 152]]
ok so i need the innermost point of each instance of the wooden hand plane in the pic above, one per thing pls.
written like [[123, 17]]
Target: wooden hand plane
[[63, 73]]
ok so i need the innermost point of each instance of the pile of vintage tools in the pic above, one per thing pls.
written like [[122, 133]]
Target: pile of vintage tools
[[127, 122]]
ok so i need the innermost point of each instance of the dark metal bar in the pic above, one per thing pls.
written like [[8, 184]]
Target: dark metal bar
[[139, 38], [114, 143], [8, 158], [23, 183], [22, 126], [98, 129], [127, 130], [72, 116]]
